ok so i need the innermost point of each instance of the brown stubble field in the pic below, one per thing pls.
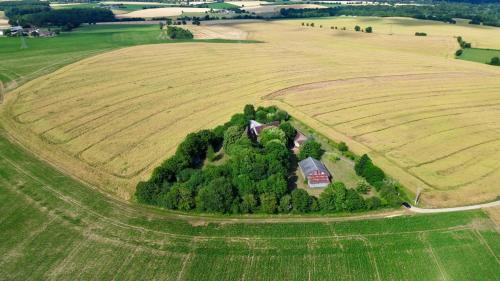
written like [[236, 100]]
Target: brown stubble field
[[427, 119]]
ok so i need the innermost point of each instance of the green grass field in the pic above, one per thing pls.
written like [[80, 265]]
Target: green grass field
[[55, 228], [479, 55], [45, 55]]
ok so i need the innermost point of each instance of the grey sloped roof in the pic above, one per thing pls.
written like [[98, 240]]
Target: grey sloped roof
[[310, 165]]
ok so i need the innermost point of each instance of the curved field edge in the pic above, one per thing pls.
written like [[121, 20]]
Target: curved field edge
[[45, 55], [56, 228]]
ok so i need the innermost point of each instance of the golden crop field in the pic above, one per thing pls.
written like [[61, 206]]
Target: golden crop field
[[430, 121]]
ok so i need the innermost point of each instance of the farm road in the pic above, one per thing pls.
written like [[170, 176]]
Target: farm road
[[455, 209]]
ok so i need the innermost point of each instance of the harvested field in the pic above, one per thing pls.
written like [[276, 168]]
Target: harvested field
[[162, 12], [217, 32], [4, 22], [248, 3], [427, 119]]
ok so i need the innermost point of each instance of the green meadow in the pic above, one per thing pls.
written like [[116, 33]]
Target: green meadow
[[53, 227], [479, 55]]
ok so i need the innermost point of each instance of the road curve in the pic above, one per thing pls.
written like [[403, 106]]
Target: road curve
[[455, 209]]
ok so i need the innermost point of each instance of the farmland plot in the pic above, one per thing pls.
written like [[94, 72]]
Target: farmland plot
[[55, 228], [427, 119]]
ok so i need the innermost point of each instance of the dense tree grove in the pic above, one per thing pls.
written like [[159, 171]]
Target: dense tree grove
[[486, 14], [178, 33], [254, 175], [388, 189], [38, 13]]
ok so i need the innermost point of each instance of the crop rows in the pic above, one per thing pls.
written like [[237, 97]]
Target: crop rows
[[111, 118]]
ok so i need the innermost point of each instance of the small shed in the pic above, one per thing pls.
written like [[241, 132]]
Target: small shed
[[299, 139], [256, 127], [16, 29], [315, 172]]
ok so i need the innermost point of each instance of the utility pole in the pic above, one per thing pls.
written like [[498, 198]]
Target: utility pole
[[417, 196]]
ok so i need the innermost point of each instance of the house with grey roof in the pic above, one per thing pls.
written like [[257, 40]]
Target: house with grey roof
[[315, 172]]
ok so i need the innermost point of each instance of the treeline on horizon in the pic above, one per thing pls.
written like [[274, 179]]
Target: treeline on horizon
[[486, 14], [40, 14], [224, 170]]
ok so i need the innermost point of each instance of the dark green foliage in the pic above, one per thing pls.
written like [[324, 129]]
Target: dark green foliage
[[217, 196], [68, 18], [357, 28], [369, 29], [272, 135], [249, 111], [463, 44], [360, 165], [210, 153], [146, 192], [420, 34], [248, 203], [285, 205], [390, 194], [373, 203], [373, 175], [239, 120], [261, 116], [459, 52], [362, 187], [301, 201], [268, 203], [327, 199], [342, 146], [354, 201], [290, 132], [231, 136], [486, 14], [174, 32], [495, 61], [310, 148]]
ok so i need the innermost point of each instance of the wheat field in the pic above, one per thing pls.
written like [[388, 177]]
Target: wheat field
[[430, 121]]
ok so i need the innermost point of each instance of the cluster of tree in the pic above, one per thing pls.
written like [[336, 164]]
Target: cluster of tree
[[38, 13], [14, 9], [178, 33], [486, 14], [463, 44], [67, 18], [368, 29], [495, 61], [420, 34], [389, 190], [253, 178]]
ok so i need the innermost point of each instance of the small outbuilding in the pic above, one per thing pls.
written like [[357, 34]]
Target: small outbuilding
[[315, 172], [256, 127], [299, 139]]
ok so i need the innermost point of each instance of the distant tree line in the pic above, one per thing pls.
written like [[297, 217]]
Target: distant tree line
[[486, 14], [38, 13], [254, 176]]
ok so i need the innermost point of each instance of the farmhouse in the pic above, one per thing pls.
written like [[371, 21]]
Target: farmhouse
[[299, 139], [315, 172], [255, 127], [14, 30]]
